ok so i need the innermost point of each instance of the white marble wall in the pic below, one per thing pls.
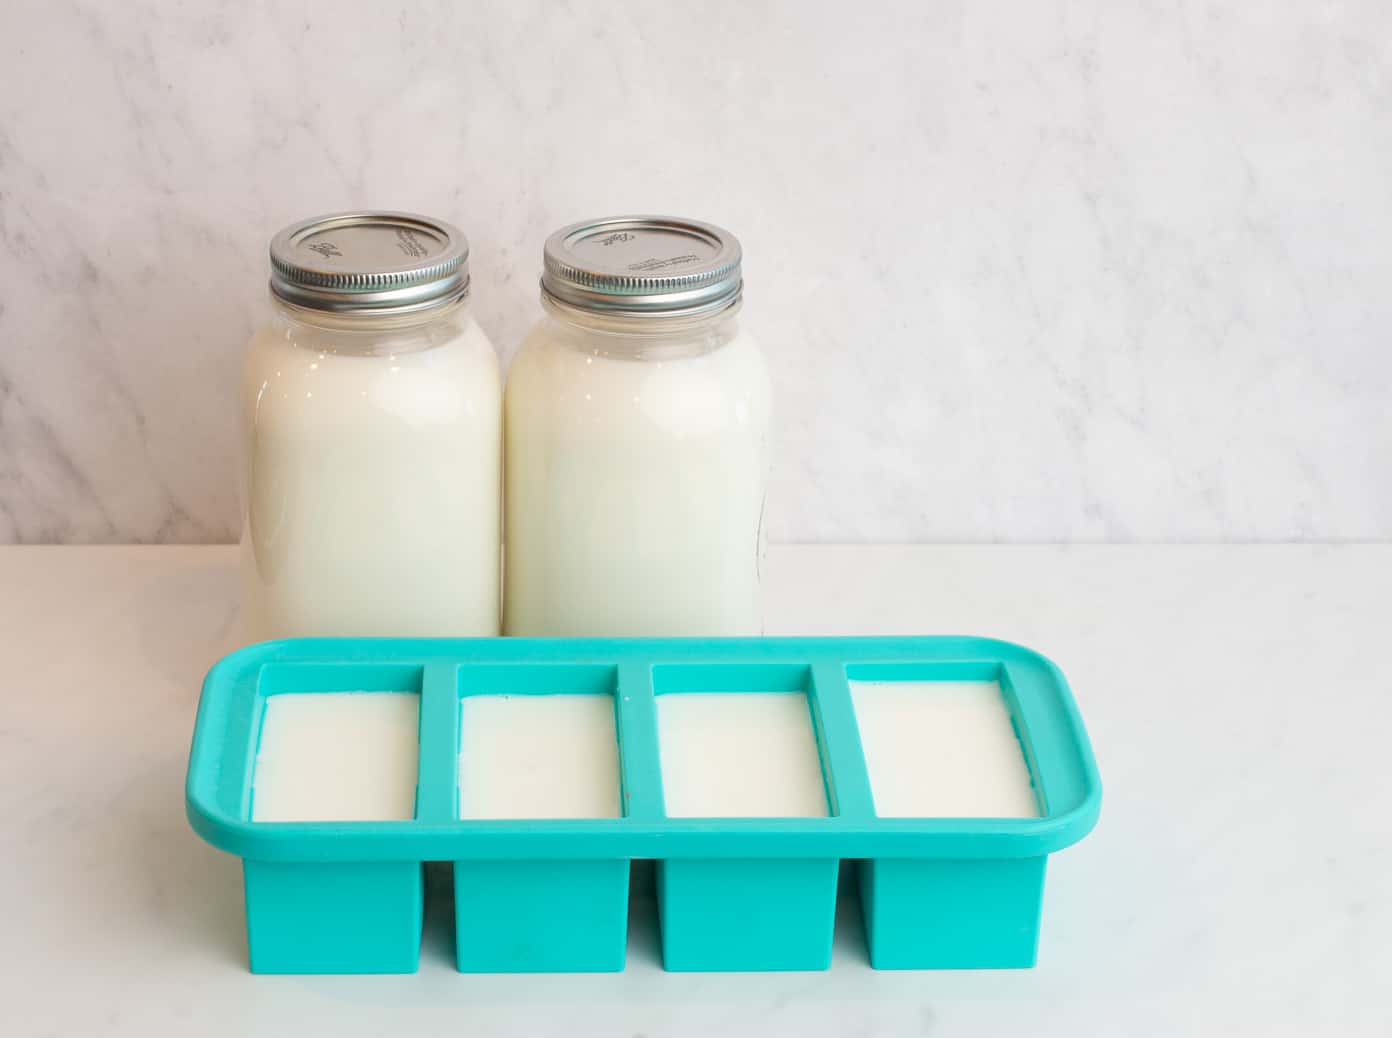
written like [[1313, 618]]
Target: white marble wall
[[1024, 271]]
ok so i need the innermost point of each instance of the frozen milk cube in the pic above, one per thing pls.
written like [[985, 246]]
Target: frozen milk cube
[[942, 749], [337, 757], [739, 754], [538, 756]]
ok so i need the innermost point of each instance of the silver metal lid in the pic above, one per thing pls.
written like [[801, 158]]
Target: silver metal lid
[[370, 262], [653, 265]]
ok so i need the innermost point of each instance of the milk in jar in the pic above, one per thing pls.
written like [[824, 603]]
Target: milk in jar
[[371, 405], [636, 439]]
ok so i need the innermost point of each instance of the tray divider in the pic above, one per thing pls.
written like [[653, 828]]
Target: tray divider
[[838, 739], [639, 764], [437, 780]]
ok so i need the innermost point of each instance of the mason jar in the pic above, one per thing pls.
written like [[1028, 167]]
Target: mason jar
[[371, 407], [636, 426]]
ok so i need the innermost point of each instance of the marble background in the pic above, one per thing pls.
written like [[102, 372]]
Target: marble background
[[1024, 271]]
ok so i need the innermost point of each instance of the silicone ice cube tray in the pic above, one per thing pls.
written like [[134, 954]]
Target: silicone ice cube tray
[[552, 895]]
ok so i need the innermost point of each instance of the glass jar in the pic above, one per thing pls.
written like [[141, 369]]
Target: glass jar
[[636, 439], [371, 405]]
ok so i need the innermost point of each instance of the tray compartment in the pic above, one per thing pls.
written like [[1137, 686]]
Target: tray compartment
[[362, 917], [746, 914], [333, 917], [941, 741], [941, 748], [337, 757], [541, 916], [537, 721], [739, 740], [538, 742], [923, 914]]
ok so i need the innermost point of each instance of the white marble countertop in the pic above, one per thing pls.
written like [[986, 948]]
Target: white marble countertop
[[1240, 880]]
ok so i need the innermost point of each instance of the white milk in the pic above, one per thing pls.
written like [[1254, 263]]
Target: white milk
[[636, 435], [337, 757], [542, 756], [739, 755], [635, 487], [941, 749], [371, 480]]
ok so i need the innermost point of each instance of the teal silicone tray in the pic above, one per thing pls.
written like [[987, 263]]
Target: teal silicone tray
[[733, 894]]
